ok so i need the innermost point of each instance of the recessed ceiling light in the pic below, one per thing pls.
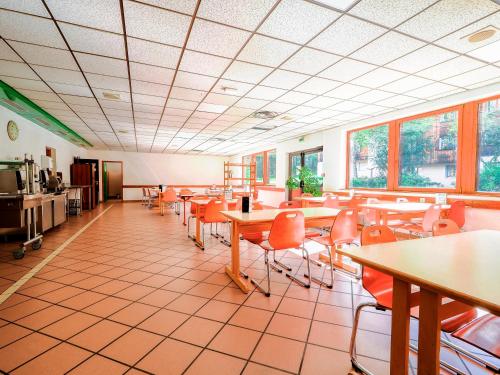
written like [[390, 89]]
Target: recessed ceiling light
[[482, 35], [264, 115], [111, 96]]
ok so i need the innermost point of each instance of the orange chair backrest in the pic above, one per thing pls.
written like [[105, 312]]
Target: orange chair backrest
[[345, 226], [327, 194], [444, 226], [185, 192], [432, 214], [169, 195], [457, 213], [371, 235], [213, 209], [290, 204], [288, 230], [331, 201], [193, 206], [370, 214], [356, 201]]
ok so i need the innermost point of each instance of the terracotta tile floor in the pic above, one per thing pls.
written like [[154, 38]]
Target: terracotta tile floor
[[132, 294]]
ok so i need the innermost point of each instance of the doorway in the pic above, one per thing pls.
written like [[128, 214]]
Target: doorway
[[311, 158], [112, 178]]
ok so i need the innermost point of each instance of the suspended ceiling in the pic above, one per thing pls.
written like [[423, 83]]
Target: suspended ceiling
[[187, 76]]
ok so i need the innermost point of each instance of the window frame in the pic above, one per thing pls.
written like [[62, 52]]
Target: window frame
[[466, 158], [265, 170]]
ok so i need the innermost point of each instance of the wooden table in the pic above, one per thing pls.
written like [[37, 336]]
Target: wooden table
[[184, 198], [306, 201], [199, 205], [461, 266], [261, 220], [401, 211]]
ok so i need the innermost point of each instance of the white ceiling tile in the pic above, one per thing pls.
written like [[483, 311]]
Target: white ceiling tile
[[369, 109], [474, 76], [245, 72], [184, 6], [388, 47], [47, 96], [24, 28], [284, 79], [449, 68], [251, 103], [61, 88], [239, 13], [6, 53], [149, 73], [346, 70], [148, 99], [378, 77], [124, 97], [82, 39], [215, 108], [265, 93], [149, 88], [153, 53], [346, 91], [194, 81], [151, 109], [45, 55], [445, 17], [226, 100], [422, 59], [197, 62], [346, 35], [26, 6], [266, 51], [302, 110], [294, 97], [318, 86], [406, 84], [484, 83], [216, 39], [322, 102], [346, 106], [489, 53], [389, 13], [297, 21], [102, 65], [187, 94], [431, 90], [79, 100], [16, 69], [278, 107], [225, 86], [397, 101], [373, 96], [155, 24], [105, 82], [459, 40], [71, 77], [310, 61], [99, 14]]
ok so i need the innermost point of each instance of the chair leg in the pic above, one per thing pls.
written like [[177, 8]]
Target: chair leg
[[188, 226], [224, 241], [288, 268], [321, 282], [257, 285], [300, 282], [488, 365], [216, 235], [443, 364], [314, 261], [352, 346]]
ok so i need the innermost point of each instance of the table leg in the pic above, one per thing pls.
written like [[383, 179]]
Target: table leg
[[233, 271], [400, 333], [429, 331], [184, 211]]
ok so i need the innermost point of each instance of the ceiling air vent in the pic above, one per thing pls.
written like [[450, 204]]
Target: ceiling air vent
[[111, 96], [481, 35], [218, 139], [263, 127], [267, 115]]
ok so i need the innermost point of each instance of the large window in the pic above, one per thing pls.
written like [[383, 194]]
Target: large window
[[369, 149], [488, 169], [428, 151], [265, 167]]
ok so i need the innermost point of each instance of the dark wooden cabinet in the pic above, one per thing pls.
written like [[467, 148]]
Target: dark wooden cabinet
[[84, 174]]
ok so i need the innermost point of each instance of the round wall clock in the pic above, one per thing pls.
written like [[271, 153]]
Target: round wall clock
[[12, 130]]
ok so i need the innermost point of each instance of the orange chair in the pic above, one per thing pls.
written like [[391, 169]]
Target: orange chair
[[167, 198], [332, 201], [343, 231], [192, 214], [152, 195], [369, 216], [457, 213], [380, 286], [442, 227], [144, 197], [423, 227], [327, 194], [287, 232], [211, 216], [290, 204], [355, 201]]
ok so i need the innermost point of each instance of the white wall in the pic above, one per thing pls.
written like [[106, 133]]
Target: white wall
[[32, 140], [168, 169]]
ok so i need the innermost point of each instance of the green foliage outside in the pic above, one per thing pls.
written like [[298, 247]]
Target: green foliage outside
[[312, 183], [489, 147]]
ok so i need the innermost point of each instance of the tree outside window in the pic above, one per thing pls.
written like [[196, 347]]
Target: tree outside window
[[489, 146]]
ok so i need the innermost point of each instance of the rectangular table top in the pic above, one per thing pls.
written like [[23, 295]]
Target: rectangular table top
[[206, 201], [401, 207], [463, 266], [320, 199], [269, 215]]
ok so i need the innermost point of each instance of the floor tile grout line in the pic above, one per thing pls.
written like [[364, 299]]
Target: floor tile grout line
[[13, 288]]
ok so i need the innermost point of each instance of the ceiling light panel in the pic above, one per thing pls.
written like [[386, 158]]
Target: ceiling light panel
[[149, 73], [445, 17], [346, 35], [245, 72], [24, 28], [197, 62], [378, 77], [266, 51], [449, 68], [215, 108], [216, 39], [317, 86], [422, 59], [284, 79], [194, 81], [489, 53], [297, 21], [388, 47], [47, 56], [389, 13], [142, 51], [162, 26], [346, 70]]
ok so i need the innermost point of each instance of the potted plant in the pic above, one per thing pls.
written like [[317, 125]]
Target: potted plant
[[307, 180]]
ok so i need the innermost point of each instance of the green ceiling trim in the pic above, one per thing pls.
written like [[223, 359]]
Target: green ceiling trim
[[11, 99]]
